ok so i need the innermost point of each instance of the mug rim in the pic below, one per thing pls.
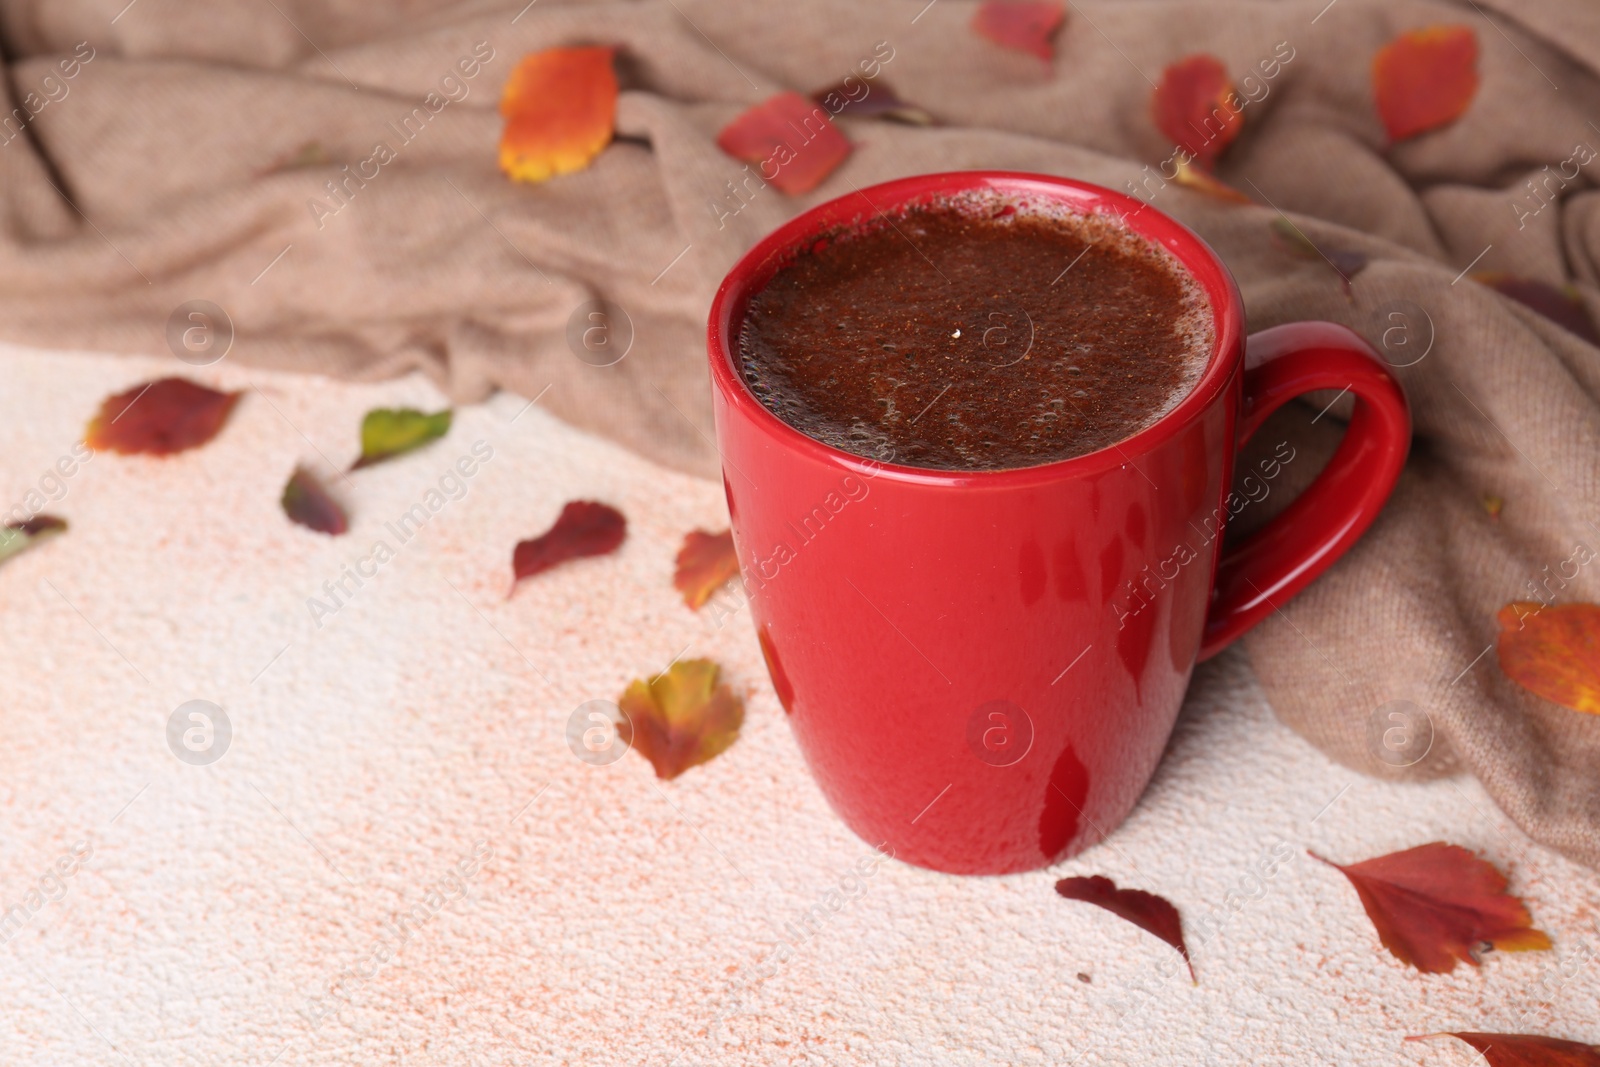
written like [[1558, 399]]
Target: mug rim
[[756, 267]]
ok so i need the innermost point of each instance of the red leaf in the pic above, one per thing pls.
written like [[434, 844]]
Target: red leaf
[[307, 501], [1553, 652], [1196, 108], [1563, 306], [584, 528], [1020, 25], [790, 137], [1437, 903], [1425, 79], [160, 417], [1150, 913], [879, 99], [684, 717], [1525, 1050], [705, 563]]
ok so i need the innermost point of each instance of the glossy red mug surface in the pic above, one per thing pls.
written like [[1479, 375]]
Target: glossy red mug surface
[[982, 667]]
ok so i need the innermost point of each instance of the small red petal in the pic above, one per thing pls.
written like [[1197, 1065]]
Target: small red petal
[[1425, 79], [790, 140], [1021, 25], [160, 417], [307, 501], [584, 528]]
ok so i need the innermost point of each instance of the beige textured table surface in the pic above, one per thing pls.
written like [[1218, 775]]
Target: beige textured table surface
[[241, 912]]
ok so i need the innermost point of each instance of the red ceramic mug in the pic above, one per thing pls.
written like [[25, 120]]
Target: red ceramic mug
[[982, 667]]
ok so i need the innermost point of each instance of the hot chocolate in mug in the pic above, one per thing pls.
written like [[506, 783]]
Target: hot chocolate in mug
[[982, 667]]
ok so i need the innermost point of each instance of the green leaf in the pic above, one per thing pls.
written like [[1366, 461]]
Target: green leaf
[[17, 536], [389, 432]]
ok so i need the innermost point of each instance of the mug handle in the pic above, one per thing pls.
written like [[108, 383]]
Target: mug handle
[[1260, 574]]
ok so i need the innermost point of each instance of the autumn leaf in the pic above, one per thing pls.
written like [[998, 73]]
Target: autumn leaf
[[309, 154], [1562, 306], [560, 107], [1150, 913], [1425, 79], [17, 536], [1492, 505], [684, 717], [1524, 1050], [1438, 903], [307, 501], [584, 528], [161, 417], [388, 432], [1196, 108], [880, 101], [789, 135], [1553, 652], [1345, 264], [1020, 25], [1191, 177], [705, 563]]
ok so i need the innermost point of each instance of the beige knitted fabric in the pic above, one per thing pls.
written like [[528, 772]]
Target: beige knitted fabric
[[171, 151]]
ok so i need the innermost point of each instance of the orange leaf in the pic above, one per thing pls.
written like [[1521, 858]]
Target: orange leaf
[[307, 501], [1437, 903], [1196, 108], [560, 107], [1553, 652], [790, 136], [584, 528], [1192, 177], [1020, 25], [682, 718], [1150, 913], [1425, 79], [160, 417], [1525, 1050], [705, 563]]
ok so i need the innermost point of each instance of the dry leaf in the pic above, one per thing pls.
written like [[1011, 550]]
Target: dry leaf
[[1196, 108], [880, 101], [1425, 79], [790, 139], [307, 501], [1562, 306], [1438, 903], [1553, 652], [1192, 177], [705, 564], [389, 432], [160, 417], [584, 528], [17, 536], [560, 107], [1020, 25], [1150, 913], [684, 717], [1492, 504], [1345, 264], [1525, 1050], [309, 154]]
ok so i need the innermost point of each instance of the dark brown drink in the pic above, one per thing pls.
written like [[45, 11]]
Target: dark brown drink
[[970, 334]]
